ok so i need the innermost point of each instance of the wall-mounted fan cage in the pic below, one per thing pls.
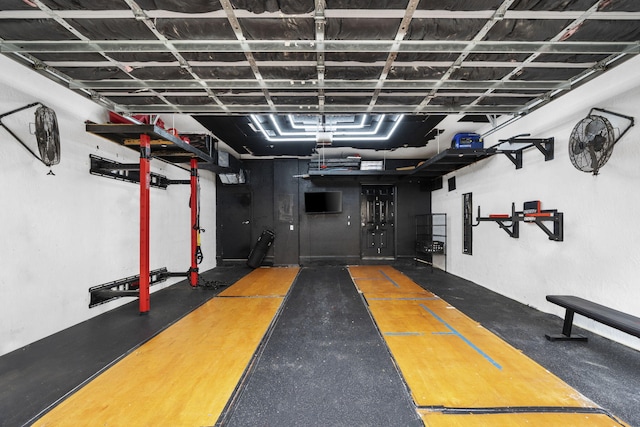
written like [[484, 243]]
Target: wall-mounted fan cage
[[593, 138], [46, 133]]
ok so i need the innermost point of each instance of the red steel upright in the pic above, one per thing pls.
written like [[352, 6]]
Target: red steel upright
[[145, 181], [195, 226]]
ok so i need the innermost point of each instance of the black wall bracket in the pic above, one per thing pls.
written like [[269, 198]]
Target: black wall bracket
[[127, 287], [544, 145], [129, 172], [549, 215]]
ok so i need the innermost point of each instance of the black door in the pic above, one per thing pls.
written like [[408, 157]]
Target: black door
[[377, 212], [234, 224]]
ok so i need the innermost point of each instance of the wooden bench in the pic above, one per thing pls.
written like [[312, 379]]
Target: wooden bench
[[608, 316]]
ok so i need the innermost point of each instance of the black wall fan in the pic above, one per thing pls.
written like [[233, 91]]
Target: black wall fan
[[592, 140], [46, 132]]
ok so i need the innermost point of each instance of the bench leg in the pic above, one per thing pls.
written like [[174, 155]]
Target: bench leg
[[566, 330]]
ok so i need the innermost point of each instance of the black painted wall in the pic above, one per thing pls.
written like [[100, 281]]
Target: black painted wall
[[334, 237], [277, 203], [285, 212]]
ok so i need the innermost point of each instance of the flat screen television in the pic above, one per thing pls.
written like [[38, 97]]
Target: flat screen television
[[323, 202]]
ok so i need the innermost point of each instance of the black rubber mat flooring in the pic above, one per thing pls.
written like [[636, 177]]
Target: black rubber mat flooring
[[324, 364]]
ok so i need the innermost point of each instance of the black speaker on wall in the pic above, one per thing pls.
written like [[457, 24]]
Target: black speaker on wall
[[452, 183]]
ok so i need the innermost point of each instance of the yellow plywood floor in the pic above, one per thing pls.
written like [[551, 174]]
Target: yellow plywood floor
[[263, 282], [448, 360], [518, 420], [186, 374]]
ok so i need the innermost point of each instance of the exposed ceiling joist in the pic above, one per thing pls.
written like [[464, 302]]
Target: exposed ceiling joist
[[329, 13], [347, 46], [237, 57], [313, 109], [223, 84]]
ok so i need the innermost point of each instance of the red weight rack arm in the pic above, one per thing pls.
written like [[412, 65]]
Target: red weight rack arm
[[145, 180], [195, 226]]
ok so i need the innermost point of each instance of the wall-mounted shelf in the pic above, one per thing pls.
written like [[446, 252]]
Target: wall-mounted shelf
[[519, 143], [510, 222], [439, 165], [164, 145]]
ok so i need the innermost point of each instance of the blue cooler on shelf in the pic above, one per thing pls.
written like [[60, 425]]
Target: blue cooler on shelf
[[467, 140]]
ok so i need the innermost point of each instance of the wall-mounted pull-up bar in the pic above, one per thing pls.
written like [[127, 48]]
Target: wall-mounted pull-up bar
[[504, 221]]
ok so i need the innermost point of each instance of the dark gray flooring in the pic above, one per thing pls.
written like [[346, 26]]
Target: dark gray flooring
[[324, 364], [317, 367], [604, 371]]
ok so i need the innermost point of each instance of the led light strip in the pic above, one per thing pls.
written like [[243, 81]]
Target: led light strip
[[269, 138], [317, 126], [337, 136], [374, 138], [280, 132]]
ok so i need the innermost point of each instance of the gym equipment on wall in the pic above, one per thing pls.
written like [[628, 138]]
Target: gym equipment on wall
[[127, 287], [46, 132], [169, 148], [531, 214], [129, 172], [592, 140], [514, 147]]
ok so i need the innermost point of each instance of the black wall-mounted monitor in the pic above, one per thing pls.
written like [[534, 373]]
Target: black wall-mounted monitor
[[323, 202]]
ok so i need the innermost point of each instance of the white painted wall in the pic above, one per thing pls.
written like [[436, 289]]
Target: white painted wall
[[600, 256], [63, 234]]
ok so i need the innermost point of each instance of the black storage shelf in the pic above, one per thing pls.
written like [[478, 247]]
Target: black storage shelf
[[439, 165], [431, 237]]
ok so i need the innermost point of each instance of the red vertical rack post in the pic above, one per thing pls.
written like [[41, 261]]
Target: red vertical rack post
[[195, 226], [145, 181]]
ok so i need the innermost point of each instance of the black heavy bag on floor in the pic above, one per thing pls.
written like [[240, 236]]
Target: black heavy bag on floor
[[260, 249]]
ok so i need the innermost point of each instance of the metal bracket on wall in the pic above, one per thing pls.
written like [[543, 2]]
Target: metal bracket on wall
[[508, 223], [127, 287], [129, 172], [557, 234], [544, 145]]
